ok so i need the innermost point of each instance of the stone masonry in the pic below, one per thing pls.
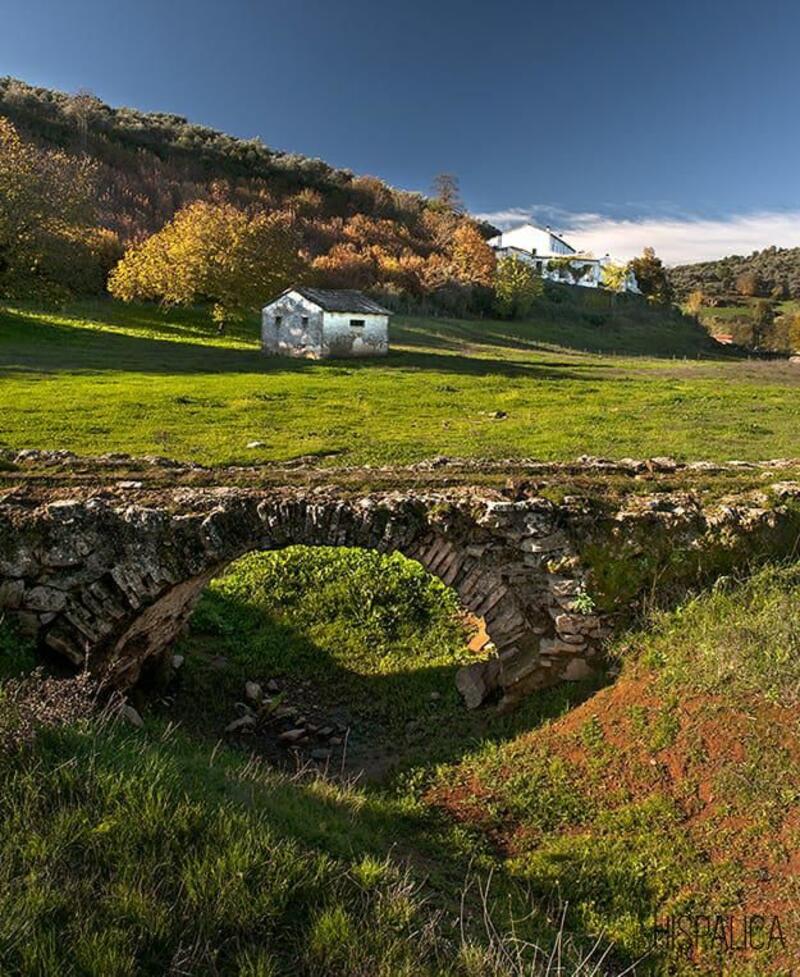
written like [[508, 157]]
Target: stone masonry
[[109, 576]]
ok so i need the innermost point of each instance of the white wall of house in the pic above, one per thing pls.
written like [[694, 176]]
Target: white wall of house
[[535, 245], [293, 325], [536, 240], [355, 334]]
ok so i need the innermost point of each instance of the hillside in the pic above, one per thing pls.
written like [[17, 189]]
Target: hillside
[[670, 794], [152, 164], [774, 272]]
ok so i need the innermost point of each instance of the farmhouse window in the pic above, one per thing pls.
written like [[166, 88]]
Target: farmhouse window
[[278, 320], [357, 323], [304, 320]]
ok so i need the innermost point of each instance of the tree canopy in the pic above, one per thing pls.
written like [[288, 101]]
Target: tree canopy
[[213, 252], [516, 287], [652, 277], [49, 246]]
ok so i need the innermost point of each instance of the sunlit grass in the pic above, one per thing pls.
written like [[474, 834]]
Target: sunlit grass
[[105, 377]]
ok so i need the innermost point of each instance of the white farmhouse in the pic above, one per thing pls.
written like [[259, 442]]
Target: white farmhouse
[[320, 322], [539, 246]]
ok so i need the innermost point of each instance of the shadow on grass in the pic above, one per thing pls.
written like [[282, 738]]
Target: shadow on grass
[[644, 332], [173, 808], [406, 717], [28, 344], [185, 341]]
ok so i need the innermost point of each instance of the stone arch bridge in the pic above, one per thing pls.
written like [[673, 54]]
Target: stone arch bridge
[[112, 578], [110, 575]]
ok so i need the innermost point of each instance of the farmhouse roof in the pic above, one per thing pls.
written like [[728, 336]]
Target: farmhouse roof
[[544, 230], [340, 299]]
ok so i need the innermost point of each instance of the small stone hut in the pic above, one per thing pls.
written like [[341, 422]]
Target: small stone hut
[[322, 322]]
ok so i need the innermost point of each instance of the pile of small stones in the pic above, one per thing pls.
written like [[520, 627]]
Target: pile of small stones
[[265, 709]]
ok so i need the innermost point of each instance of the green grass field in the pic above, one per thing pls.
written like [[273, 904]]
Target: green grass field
[[179, 848], [104, 377]]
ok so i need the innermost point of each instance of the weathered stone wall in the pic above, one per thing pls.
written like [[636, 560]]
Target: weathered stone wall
[[340, 338], [110, 576], [292, 337]]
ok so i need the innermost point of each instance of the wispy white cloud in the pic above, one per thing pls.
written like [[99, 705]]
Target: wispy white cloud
[[676, 239]]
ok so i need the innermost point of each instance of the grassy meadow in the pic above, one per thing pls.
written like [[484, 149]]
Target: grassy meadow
[[573, 380], [667, 785]]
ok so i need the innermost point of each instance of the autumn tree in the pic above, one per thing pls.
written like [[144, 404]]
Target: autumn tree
[[364, 231], [346, 266], [49, 246], [375, 197], [615, 280], [652, 277], [403, 274], [748, 284], [212, 251], [472, 260], [307, 203], [516, 287], [615, 277], [695, 302]]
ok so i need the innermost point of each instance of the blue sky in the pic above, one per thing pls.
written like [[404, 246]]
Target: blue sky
[[623, 121]]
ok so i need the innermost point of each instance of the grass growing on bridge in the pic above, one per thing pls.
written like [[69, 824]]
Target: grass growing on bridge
[[105, 377]]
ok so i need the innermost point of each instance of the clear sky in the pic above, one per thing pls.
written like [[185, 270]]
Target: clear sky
[[671, 121]]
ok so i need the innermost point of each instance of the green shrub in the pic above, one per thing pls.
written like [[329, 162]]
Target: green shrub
[[16, 653]]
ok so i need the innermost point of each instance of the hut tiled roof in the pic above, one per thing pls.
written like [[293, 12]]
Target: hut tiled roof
[[340, 299]]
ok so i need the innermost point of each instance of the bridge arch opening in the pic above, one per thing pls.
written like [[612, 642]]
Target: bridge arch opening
[[113, 583], [348, 616], [327, 642]]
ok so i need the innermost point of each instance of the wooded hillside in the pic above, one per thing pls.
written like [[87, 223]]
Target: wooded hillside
[[771, 273], [350, 231], [155, 162]]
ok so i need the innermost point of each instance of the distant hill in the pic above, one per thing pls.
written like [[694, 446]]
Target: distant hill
[[773, 272]]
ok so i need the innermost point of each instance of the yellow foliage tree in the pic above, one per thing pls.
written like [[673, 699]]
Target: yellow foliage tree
[[345, 266], [216, 252], [615, 279], [516, 288], [473, 261], [405, 273], [49, 246], [695, 302]]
